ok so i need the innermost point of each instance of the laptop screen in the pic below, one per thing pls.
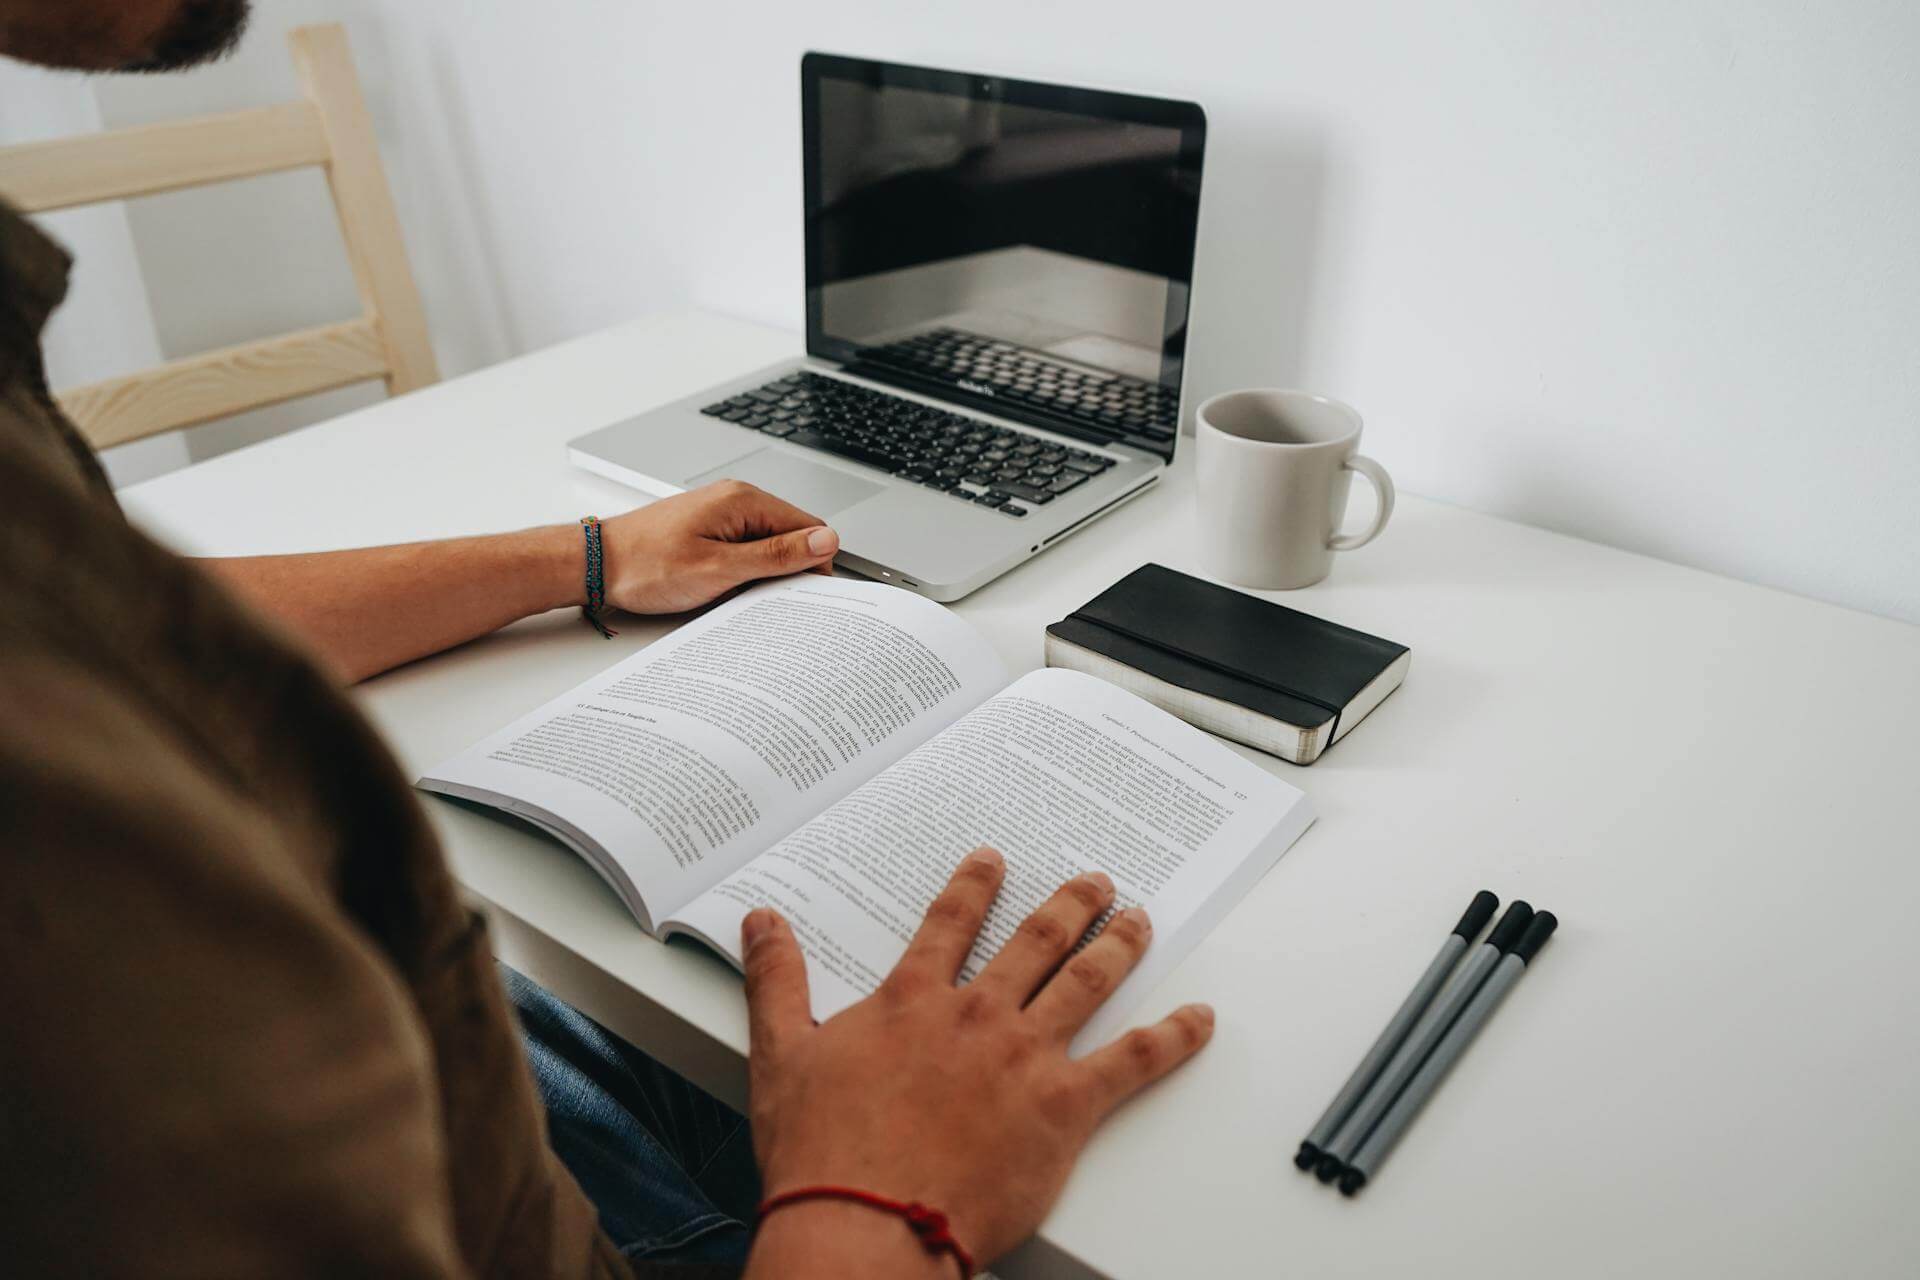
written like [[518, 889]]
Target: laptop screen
[[1021, 248]]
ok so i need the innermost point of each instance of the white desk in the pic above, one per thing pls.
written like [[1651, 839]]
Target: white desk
[[1715, 1067]]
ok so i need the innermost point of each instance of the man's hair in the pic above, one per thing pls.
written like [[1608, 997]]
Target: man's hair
[[200, 31]]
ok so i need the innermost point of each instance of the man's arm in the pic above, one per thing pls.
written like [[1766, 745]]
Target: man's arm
[[366, 611]]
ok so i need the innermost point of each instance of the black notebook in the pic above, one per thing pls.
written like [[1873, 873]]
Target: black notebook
[[1274, 678]]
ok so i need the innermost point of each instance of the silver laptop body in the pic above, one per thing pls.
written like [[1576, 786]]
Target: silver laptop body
[[998, 282]]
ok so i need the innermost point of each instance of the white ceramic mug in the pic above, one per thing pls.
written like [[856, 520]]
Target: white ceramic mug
[[1274, 471]]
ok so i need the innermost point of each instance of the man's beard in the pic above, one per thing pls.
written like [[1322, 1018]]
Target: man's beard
[[200, 31]]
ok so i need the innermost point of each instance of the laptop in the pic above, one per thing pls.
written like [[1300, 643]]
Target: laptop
[[997, 284]]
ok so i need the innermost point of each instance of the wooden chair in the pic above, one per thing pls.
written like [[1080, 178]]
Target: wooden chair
[[329, 127]]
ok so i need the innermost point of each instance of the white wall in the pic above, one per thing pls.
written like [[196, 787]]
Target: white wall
[[1640, 271]]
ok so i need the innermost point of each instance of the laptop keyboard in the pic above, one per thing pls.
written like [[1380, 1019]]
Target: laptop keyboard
[[1107, 401], [996, 467]]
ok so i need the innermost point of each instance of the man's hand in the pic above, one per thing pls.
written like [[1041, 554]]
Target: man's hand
[[962, 1098], [682, 552]]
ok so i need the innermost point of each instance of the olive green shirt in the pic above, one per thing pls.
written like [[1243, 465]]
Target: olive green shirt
[[246, 1025]]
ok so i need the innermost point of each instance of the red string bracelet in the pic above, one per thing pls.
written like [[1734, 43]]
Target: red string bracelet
[[927, 1223]]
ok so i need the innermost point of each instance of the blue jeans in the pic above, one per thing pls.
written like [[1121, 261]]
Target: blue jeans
[[670, 1170]]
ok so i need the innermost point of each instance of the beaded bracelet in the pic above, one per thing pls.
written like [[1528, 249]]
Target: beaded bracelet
[[596, 577]]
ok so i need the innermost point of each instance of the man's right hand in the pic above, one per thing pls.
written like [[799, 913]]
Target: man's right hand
[[959, 1097], [682, 552]]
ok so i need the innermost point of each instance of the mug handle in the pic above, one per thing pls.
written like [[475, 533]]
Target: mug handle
[[1382, 489]]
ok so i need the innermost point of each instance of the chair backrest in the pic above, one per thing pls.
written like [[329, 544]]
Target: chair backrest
[[329, 127]]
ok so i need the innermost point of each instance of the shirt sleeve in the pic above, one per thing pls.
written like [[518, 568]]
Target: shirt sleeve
[[207, 1071]]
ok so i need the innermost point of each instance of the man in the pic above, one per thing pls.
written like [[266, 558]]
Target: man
[[245, 1025]]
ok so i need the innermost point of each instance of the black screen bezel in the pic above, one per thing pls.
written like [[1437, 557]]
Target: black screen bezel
[[1187, 117]]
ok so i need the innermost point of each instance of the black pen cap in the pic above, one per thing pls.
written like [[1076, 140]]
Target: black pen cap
[[1538, 930], [1508, 931], [1481, 911]]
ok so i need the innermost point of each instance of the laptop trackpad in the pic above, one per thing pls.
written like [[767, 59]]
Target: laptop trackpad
[[817, 490]]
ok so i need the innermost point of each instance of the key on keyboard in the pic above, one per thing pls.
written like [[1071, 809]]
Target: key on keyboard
[[906, 438], [1108, 401]]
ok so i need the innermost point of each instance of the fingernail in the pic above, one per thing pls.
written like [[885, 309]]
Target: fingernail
[[1101, 881], [822, 542], [1204, 1012], [756, 926], [988, 855], [1137, 915]]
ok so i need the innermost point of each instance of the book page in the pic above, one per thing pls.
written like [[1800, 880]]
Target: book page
[[670, 769], [1063, 774]]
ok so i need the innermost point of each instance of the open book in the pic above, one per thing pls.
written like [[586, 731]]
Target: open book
[[832, 749]]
